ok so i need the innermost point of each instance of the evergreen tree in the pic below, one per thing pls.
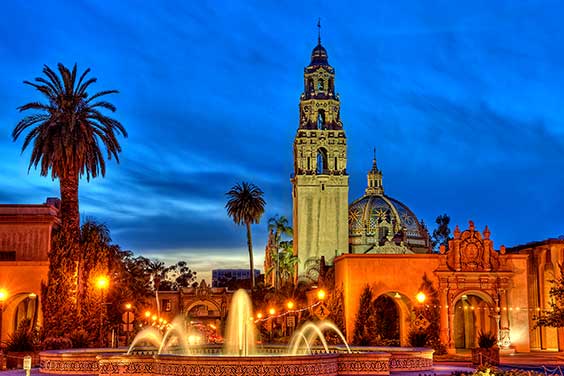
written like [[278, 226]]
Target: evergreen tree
[[364, 326], [431, 311], [555, 317], [335, 303]]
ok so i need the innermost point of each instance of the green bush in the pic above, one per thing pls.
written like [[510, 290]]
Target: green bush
[[57, 343], [80, 339], [417, 338], [487, 340], [22, 340]]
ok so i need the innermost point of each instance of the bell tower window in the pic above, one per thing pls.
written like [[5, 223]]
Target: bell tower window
[[322, 162], [320, 84], [321, 120], [310, 85]]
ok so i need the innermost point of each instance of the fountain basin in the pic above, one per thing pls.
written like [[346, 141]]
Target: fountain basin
[[362, 361]]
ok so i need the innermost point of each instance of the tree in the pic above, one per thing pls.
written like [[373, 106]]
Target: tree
[[441, 235], [287, 263], [157, 270], [66, 132], [177, 276], [431, 311], [364, 325], [280, 227], [245, 205], [555, 316]]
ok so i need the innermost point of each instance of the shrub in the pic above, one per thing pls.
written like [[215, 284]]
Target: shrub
[[22, 340], [57, 343], [80, 339], [417, 338], [487, 340]]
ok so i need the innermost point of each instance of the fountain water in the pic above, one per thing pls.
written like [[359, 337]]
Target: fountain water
[[239, 352], [240, 332], [150, 334], [309, 332]]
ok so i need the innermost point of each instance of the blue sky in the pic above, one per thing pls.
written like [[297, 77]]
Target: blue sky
[[462, 99]]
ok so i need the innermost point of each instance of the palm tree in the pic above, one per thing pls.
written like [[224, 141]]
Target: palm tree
[[157, 271], [279, 226], [66, 131], [287, 261], [246, 206]]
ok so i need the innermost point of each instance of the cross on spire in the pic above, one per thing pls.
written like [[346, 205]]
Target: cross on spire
[[319, 30]]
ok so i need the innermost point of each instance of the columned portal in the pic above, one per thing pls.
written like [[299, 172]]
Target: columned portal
[[472, 316]]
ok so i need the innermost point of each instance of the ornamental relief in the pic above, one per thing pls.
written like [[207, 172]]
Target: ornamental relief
[[472, 251]]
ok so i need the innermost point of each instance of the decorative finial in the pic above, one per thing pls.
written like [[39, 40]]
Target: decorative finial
[[374, 167], [319, 31]]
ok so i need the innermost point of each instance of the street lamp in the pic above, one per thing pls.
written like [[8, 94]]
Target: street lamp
[[321, 294], [3, 297], [102, 283]]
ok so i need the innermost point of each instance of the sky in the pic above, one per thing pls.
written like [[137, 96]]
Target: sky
[[462, 100]]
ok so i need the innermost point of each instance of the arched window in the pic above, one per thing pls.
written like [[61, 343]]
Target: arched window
[[331, 85], [320, 84], [322, 168], [321, 120], [310, 84]]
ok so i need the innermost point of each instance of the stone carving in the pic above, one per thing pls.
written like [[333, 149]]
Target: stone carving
[[469, 250]]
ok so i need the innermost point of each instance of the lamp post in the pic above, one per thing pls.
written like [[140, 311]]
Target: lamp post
[[102, 283], [3, 297]]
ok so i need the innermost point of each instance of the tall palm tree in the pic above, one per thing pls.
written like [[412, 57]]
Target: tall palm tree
[[246, 206], [157, 271], [66, 132], [280, 227]]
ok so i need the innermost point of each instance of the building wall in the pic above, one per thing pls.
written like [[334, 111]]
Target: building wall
[[385, 274], [320, 216], [25, 241]]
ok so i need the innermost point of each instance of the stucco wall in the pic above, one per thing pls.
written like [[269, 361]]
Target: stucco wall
[[384, 274]]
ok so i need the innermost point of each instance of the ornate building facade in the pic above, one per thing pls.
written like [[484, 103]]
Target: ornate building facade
[[379, 243]]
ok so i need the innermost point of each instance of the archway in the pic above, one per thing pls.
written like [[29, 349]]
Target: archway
[[387, 321], [473, 314], [322, 167]]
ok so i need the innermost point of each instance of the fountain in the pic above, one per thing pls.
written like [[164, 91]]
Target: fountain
[[240, 332], [174, 354]]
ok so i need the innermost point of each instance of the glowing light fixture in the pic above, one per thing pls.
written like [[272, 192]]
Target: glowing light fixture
[[259, 315], [290, 304], [271, 311], [102, 282], [147, 314], [420, 297], [397, 295], [3, 295], [321, 294]]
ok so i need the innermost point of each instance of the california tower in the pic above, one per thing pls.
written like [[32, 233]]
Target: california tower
[[320, 180]]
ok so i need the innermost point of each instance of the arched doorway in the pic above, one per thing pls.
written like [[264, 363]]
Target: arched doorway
[[387, 321], [26, 312], [473, 314]]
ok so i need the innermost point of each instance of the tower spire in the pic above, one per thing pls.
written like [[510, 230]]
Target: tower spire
[[374, 178], [319, 30]]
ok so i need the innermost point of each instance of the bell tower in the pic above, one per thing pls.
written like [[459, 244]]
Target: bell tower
[[320, 181]]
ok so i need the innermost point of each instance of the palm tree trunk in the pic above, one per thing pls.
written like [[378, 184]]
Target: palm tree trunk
[[70, 223], [251, 261]]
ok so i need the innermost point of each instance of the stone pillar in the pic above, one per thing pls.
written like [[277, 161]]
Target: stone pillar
[[444, 317], [504, 310], [451, 348]]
